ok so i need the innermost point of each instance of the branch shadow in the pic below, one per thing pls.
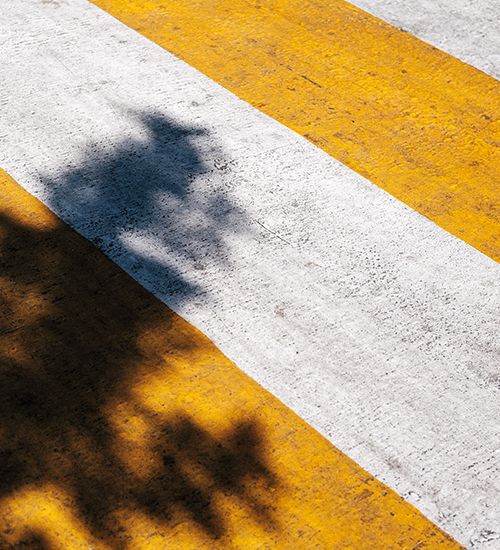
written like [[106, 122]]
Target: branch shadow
[[149, 202], [77, 334]]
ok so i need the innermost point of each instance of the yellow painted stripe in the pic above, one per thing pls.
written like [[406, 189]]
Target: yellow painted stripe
[[416, 121], [122, 425]]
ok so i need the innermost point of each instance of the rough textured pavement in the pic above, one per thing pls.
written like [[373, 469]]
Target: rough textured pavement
[[374, 325], [467, 29], [124, 427]]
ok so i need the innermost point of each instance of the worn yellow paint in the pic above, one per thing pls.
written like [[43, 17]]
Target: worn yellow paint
[[42, 513], [415, 121], [123, 426]]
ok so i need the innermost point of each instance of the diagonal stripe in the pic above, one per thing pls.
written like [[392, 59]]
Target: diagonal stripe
[[122, 425], [415, 121], [369, 321], [467, 30]]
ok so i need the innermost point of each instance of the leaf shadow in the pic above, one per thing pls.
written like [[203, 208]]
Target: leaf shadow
[[77, 334]]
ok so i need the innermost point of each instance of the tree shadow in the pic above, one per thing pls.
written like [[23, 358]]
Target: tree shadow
[[33, 539], [149, 202], [78, 336]]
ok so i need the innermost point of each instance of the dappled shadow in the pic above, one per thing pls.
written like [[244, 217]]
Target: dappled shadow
[[32, 539], [149, 202], [94, 370]]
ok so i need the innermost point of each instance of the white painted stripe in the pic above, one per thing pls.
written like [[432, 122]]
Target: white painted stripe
[[373, 324], [467, 29]]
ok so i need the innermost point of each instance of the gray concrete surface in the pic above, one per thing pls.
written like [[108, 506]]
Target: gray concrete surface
[[374, 325], [467, 29]]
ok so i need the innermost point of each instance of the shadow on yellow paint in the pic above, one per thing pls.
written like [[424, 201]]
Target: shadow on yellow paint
[[107, 405], [123, 426]]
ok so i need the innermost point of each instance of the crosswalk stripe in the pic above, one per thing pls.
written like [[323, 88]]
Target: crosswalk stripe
[[123, 426], [369, 321], [467, 30], [413, 120]]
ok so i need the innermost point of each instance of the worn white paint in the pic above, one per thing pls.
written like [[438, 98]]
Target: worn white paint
[[373, 324]]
